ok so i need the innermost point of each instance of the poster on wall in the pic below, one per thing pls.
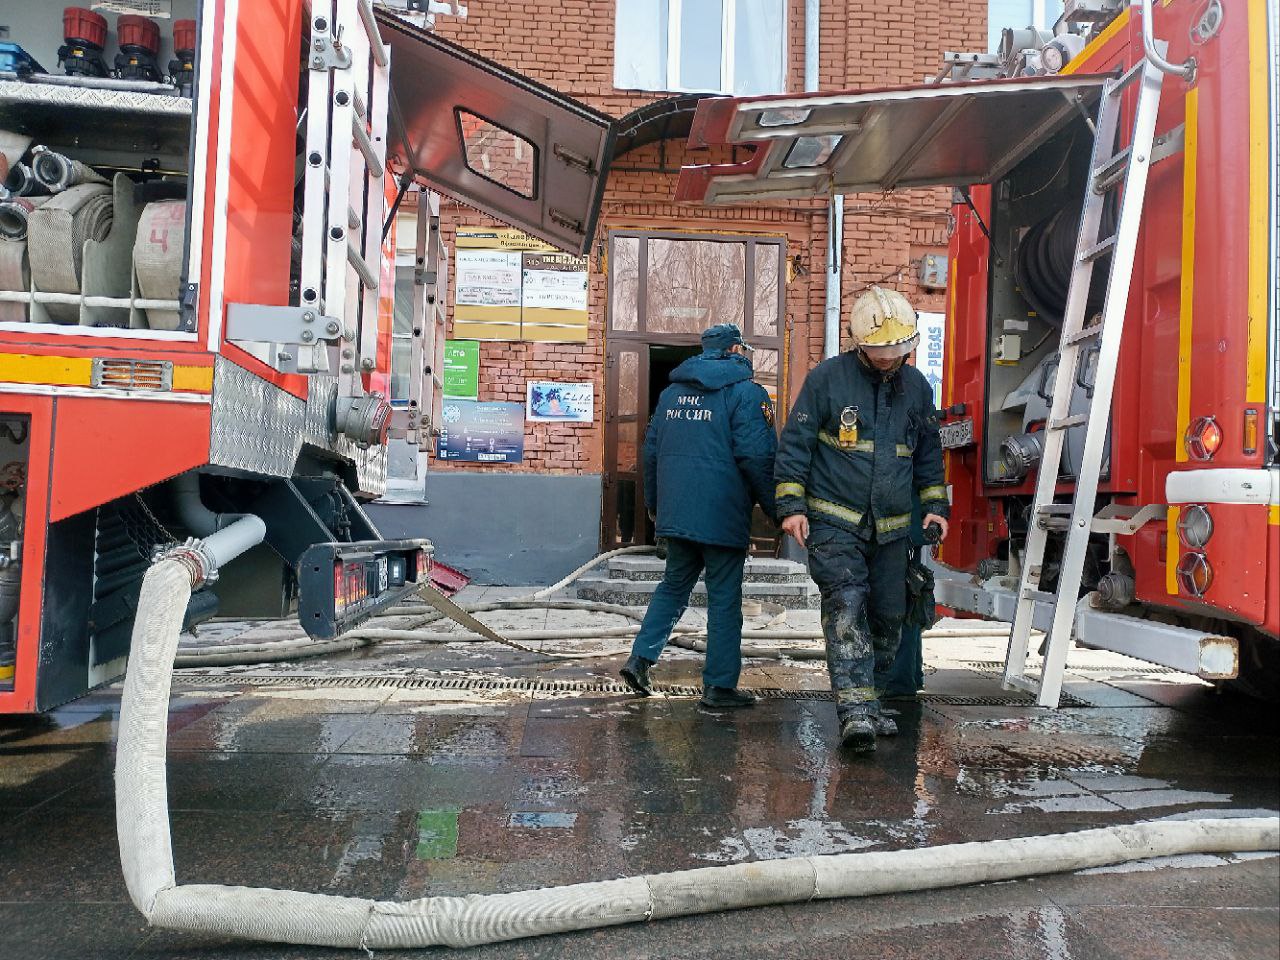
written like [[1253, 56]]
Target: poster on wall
[[565, 402], [929, 358], [509, 286], [476, 432], [461, 369], [555, 281], [487, 278]]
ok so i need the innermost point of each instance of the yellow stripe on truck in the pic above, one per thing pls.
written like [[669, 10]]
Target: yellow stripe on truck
[[1171, 552], [41, 370], [1186, 305], [34, 368], [1116, 25], [1255, 381]]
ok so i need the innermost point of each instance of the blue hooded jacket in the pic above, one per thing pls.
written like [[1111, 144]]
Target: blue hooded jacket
[[708, 452]]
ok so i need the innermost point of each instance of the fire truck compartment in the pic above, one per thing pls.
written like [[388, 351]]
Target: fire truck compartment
[[97, 158]]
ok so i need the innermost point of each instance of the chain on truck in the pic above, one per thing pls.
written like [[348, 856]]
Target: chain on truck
[[1112, 356], [197, 283]]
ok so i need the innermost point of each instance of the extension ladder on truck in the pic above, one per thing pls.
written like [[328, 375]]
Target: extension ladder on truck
[[1108, 169], [343, 192]]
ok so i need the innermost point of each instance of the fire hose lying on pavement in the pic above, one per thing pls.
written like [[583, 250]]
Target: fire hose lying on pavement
[[285, 916]]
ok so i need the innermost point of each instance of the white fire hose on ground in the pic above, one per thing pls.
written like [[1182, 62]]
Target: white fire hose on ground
[[285, 916]]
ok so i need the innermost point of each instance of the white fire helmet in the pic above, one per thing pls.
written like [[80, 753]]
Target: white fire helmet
[[882, 323]]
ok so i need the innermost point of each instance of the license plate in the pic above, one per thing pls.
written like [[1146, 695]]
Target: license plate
[[957, 434]]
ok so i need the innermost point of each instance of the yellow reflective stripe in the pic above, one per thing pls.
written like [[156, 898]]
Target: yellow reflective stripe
[[861, 446], [1079, 60], [834, 510], [933, 493], [1260, 230], [789, 490], [34, 368], [1186, 303], [1171, 551], [903, 450], [888, 524], [1273, 515], [193, 379]]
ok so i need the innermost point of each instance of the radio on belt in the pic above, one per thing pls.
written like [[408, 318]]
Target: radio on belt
[[340, 585]]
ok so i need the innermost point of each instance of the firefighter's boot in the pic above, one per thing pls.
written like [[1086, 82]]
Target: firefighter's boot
[[858, 733], [726, 698], [885, 726], [636, 674]]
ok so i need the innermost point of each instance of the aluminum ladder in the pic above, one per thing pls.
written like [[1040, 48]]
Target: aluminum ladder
[[1108, 169], [344, 193]]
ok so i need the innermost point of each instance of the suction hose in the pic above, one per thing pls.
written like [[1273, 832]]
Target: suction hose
[[286, 916]]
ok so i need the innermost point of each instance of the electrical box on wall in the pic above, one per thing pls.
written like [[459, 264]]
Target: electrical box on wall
[[933, 271]]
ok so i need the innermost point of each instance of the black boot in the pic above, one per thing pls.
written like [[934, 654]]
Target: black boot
[[636, 674], [726, 698], [858, 733]]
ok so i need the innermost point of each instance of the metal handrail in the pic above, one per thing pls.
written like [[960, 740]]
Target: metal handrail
[[1186, 70]]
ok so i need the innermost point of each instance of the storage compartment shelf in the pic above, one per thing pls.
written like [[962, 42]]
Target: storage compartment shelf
[[89, 117]]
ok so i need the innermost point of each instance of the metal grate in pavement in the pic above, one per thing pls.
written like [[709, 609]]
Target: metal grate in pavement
[[192, 678]]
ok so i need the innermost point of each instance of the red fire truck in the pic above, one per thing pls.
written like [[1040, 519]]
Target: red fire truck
[[196, 315], [1112, 363]]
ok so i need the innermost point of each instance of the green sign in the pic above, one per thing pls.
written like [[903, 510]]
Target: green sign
[[462, 369]]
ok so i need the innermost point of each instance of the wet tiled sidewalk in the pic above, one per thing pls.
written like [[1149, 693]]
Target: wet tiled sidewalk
[[402, 770]]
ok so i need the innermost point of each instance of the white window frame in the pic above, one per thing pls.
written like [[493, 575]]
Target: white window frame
[[728, 49]]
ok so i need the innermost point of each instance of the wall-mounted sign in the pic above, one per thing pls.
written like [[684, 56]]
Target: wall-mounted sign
[[509, 286], [929, 358], [490, 432], [461, 373], [566, 402]]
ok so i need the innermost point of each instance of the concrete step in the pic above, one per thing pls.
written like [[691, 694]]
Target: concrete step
[[638, 593], [758, 570]]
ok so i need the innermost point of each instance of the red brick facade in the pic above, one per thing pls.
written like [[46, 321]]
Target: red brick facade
[[568, 44]]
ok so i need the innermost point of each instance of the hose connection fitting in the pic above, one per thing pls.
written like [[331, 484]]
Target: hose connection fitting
[[194, 556]]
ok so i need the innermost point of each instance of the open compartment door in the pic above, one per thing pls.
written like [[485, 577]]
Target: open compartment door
[[494, 139], [953, 134]]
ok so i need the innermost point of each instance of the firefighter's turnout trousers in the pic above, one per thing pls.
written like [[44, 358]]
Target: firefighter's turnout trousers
[[863, 586]]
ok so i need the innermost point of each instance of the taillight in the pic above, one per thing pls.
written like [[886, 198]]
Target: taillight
[[339, 584], [1194, 574], [1250, 432], [1195, 526], [1202, 439]]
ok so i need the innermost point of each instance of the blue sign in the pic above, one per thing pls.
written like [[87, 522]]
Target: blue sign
[[481, 432]]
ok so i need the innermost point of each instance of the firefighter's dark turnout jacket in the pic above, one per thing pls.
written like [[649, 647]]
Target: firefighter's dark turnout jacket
[[862, 485]]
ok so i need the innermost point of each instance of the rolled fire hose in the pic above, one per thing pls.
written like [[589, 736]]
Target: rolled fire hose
[[157, 257], [19, 181], [58, 172], [287, 916], [13, 147], [14, 275], [56, 233], [15, 213]]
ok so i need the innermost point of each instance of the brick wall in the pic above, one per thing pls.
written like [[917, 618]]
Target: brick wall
[[568, 44]]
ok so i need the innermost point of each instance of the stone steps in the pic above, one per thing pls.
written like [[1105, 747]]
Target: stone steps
[[758, 570], [632, 580]]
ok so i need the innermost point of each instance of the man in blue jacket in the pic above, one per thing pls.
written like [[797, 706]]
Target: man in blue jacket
[[708, 458]]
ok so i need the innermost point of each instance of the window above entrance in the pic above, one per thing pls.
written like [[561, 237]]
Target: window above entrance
[[710, 46]]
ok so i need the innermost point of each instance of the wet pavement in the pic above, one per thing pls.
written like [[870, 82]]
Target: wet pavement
[[401, 771]]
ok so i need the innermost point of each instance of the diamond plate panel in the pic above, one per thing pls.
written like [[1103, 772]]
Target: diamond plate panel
[[259, 428]]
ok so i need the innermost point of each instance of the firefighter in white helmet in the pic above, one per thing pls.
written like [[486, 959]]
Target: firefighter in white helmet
[[861, 442]]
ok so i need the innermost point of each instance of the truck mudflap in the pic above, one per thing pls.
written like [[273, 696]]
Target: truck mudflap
[[1205, 655], [340, 585]]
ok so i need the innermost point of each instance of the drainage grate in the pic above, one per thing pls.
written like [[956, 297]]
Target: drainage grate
[[524, 685], [1137, 671]]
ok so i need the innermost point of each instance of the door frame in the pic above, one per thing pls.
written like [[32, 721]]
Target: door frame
[[638, 341]]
